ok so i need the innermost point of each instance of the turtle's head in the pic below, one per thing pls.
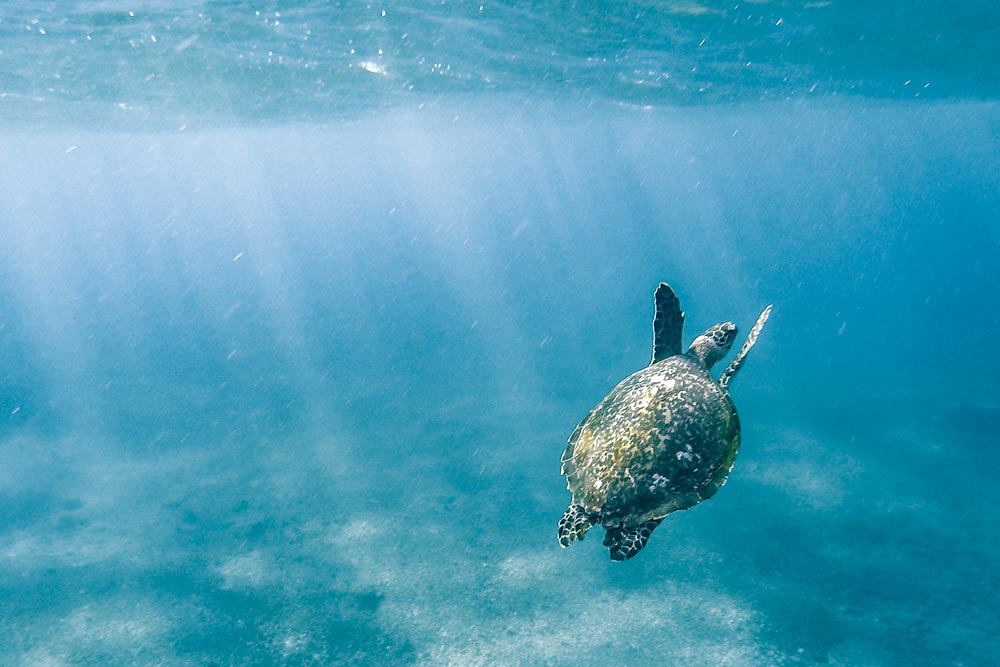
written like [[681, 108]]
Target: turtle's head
[[713, 345]]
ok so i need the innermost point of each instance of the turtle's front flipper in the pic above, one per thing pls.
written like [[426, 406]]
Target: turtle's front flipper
[[573, 525], [734, 366], [623, 543], [668, 323]]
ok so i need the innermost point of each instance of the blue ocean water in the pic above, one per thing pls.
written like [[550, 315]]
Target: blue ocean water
[[299, 302]]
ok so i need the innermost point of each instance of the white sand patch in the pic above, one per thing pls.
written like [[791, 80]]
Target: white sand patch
[[294, 644], [42, 658], [245, 571], [116, 625], [805, 482], [463, 608], [525, 570], [810, 472], [673, 626], [357, 544], [123, 625], [28, 551]]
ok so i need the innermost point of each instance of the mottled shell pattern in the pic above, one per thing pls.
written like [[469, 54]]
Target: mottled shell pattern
[[663, 440]]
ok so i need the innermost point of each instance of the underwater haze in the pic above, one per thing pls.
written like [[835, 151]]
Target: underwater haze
[[300, 301]]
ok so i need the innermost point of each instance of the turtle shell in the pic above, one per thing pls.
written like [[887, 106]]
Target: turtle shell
[[663, 440]]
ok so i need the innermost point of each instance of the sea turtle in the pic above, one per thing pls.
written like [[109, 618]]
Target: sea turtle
[[663, 440]]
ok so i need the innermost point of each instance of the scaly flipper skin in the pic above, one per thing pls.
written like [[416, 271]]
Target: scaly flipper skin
[[668, 323], [623, 543], [573, 525], [735, 365]]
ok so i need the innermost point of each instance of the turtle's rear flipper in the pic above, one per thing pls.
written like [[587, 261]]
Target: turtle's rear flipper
[[573, 525], [623, 543]]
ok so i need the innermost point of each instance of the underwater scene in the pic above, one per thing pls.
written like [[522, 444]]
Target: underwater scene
[[302, 303]]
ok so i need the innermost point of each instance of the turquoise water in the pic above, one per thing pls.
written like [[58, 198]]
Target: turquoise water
[[299, 303]]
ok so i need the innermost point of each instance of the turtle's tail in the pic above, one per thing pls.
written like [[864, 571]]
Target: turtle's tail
[[573, 525]]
